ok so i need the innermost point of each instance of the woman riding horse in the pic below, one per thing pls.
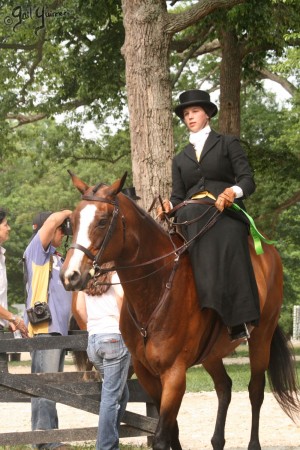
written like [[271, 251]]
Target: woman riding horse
[[213, 168]]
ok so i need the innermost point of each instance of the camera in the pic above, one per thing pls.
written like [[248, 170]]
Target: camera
[[66, 227], [40, 312]]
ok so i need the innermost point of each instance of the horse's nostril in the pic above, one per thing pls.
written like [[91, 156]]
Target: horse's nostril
[[74, 278]]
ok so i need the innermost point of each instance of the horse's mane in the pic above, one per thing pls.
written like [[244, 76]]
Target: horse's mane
[[145, 215], [98, 186]]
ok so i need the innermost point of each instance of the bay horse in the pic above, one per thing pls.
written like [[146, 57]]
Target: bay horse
[[162, 324]]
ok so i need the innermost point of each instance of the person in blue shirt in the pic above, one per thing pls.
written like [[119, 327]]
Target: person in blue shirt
[[42, 267]]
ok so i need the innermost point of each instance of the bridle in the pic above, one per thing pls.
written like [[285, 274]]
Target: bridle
[[95, 258]]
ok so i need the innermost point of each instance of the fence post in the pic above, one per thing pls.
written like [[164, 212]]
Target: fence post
[[151, 411], [296, 322], [3, 357]]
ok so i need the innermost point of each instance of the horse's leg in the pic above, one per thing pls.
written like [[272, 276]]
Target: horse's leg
[[173, 389], [167, 393], [259, 353], [223, 384]]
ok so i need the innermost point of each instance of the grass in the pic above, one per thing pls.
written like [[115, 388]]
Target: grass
[[198, 379]]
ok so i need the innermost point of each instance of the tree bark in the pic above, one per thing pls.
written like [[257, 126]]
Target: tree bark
[[148, 33], [230, 84], [146, 53]]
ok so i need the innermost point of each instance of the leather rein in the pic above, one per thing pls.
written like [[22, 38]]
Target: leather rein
[[176, 252]]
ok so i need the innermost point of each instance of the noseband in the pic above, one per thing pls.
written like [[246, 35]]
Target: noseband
[[110, 230]]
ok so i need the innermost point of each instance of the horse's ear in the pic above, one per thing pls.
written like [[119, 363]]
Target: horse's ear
[[122, 181], [116, 187], [78, 183]]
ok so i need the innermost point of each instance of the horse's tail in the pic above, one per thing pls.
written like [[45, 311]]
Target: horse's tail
[[282, 374], [80, 357]]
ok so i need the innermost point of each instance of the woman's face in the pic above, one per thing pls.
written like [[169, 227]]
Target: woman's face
[[4, 231], [195, 118]]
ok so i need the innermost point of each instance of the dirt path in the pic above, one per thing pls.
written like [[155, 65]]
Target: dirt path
[[196, 421]]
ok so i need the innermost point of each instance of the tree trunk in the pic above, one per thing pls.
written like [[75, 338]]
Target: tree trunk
[[230, 84], [146, 53]]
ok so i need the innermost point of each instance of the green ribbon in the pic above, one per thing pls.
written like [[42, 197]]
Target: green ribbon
[[258, 238]]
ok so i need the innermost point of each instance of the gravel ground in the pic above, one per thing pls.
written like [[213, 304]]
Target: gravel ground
[[196, 420]]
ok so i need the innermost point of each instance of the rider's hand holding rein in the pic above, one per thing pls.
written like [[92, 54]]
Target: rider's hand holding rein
[[162, 210], [225, 199]]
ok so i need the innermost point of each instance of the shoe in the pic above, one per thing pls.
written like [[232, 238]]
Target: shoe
[[238, 332]]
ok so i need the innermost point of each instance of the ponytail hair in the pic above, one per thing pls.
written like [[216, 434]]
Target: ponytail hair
[[100, 285]]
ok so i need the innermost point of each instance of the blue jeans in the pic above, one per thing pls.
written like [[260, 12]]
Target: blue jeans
[[43, 411], [110, 356]]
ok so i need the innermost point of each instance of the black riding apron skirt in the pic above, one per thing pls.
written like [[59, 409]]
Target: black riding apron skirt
[[221, 263]]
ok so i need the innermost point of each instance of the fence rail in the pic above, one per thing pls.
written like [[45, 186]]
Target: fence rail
[[79, 390]]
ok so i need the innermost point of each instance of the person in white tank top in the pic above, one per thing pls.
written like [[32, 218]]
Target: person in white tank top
[[98, 310]]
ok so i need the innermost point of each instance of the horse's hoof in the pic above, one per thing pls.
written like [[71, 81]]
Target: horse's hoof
[[254, 446], [217, 445]]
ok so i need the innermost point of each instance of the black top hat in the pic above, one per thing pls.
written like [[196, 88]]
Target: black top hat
[[39, 220], [130, 192], [195, 97]]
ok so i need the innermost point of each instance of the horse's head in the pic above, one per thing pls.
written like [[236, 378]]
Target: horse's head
[[94, 221]]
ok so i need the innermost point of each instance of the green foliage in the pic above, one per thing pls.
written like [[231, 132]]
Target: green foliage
[[42, 54], [272, 144], [34, 178]]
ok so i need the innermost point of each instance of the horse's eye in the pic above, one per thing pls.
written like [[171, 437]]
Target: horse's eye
[[102, 223]]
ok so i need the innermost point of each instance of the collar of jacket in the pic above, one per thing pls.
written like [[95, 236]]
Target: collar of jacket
[[211, 141]]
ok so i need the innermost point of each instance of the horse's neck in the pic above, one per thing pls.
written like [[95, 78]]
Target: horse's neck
[[144, 268], [145, 239]]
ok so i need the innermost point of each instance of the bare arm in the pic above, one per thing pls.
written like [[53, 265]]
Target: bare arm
[[79, 309], [15, 322], [119, 299], [119, 293], [50, 226]]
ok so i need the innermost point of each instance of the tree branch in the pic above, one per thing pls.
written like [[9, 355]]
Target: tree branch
[[180, 21], [267, 74], [97, 158], [282, 207], [28, 47], [208, 47], [34, 65], [24, 120]]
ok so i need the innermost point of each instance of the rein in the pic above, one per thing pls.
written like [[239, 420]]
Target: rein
[[177, 252]]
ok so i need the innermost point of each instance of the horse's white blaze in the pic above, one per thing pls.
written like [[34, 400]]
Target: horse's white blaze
[[86, 217]]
